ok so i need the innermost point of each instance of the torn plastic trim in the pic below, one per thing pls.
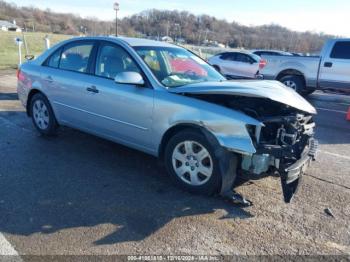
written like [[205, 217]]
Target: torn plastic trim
[[290, 173], [240, 142]]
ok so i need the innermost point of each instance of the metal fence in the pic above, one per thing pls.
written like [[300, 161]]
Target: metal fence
[[32, 44]]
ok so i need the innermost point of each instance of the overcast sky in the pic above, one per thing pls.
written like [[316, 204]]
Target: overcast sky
[[328, 16]]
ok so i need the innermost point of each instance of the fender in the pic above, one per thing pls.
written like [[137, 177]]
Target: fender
[[228, 126]]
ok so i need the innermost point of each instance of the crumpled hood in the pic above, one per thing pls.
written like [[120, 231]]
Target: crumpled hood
[[270, 89]]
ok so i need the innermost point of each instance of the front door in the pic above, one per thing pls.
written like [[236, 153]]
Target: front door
[[335, 69], [122, 112]]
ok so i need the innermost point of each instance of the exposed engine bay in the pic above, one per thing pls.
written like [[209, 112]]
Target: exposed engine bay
[[284, 145]]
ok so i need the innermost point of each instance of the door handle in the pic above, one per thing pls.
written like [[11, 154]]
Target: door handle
[[328, 64], [92, 89]]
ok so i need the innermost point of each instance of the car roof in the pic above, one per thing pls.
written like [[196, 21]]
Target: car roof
[[272, 51], [128, 40], [247, 52], [144, 42], [132, 41]]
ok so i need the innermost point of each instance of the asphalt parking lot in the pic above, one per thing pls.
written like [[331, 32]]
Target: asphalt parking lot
[[76, 194]]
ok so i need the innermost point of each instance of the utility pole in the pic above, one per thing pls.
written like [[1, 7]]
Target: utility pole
[[116, 8], [167, 28]]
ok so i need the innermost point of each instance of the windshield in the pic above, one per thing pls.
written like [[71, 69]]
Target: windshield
[[175, 67]]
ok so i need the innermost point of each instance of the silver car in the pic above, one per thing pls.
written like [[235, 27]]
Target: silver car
[[165, 101], [238, 64]]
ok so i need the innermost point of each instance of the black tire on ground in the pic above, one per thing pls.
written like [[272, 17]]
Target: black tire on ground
[[307, 92], [217, 68], [294, 81], [213, 184], [50, 127]]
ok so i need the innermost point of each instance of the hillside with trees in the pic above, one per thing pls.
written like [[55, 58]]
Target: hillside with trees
[[157, 23]]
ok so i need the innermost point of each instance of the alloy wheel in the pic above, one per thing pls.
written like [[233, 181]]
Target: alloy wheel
[[290, 84]]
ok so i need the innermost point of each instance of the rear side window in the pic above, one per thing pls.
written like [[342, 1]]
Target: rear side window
[[54, 59], [341, 50], [75, 57], [260, 53], [228, 56]]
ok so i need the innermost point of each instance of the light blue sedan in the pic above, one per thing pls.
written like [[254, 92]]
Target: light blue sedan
[[164, 100]]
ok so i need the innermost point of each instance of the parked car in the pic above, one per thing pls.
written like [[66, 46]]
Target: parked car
[[206, 129], [308, 73], [238, 64], [271, 53]]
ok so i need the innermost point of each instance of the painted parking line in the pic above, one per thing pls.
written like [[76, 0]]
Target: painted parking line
[[330, 101], [8, 123], [6, 249], [331, 110], [334, 154]]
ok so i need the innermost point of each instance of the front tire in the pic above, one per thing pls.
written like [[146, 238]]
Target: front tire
[[42, 115], [191, 163]]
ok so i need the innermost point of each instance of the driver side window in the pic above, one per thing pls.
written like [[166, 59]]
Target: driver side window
[[112, 60]]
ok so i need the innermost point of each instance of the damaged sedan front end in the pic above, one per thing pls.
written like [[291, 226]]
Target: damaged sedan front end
[[284, 138], [285, 145]]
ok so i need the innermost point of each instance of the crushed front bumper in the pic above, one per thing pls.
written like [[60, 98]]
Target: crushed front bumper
[[274, 159], [291, 175]]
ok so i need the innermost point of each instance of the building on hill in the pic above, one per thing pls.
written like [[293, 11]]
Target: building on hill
[[7, 26]]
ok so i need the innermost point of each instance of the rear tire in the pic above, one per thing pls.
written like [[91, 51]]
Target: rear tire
[[217, 68], [42, 115], [295, 82], [307, 92]]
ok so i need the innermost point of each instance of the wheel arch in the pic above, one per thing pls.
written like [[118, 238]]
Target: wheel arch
[[33, 92], [228, 164], [178, 128], [292, 72]]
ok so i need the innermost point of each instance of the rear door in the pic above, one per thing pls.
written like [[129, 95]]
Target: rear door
[[335, 68], [66, 75]]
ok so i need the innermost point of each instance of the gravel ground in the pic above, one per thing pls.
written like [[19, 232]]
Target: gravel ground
[[76, 194]]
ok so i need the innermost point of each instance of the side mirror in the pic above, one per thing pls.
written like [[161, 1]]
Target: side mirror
[[131, 78]]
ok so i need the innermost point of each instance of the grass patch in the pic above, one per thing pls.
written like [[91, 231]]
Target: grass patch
[[35, 43]]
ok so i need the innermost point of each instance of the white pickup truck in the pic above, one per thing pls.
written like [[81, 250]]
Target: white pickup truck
[[306, 74]]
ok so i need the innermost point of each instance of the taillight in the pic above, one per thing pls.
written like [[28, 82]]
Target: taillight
[[262, 63], [20, 75]]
